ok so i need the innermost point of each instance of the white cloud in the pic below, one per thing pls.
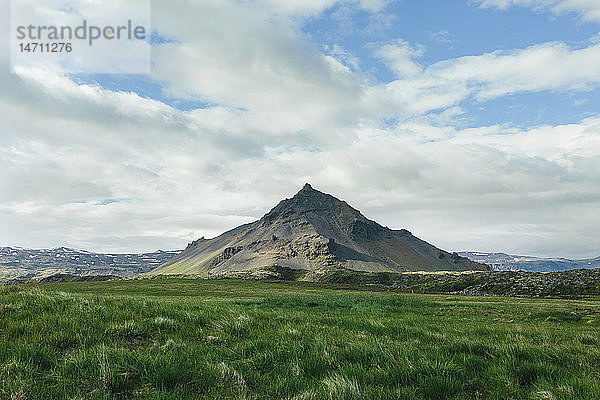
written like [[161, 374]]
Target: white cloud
[[182, 175], [443, 37], [306, 8], [589, 10], [92, 53], [399, 56], [248, 59], [288, 114], [547, 66]]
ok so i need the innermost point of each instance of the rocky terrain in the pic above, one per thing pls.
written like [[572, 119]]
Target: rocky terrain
[[310, 231], [567, 284], [507, 262], [22, 264], [498, 283], [574, 283]]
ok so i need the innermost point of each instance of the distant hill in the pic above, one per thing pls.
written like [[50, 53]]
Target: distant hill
[[507, 262], [19, 263], [311, 231]]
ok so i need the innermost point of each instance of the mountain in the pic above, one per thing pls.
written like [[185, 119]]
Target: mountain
[[310, 231], [508, 262], [18, 263]]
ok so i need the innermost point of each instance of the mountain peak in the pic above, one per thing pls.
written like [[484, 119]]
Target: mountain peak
[[314, 230], [309, 197], [307, 188]]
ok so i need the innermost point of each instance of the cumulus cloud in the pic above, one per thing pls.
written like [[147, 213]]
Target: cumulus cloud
[[443, 37], [88, 167], [547, 66], [88, 53], [250, 60], [400, 57], [306, 8], [172, 176], [589, 10]]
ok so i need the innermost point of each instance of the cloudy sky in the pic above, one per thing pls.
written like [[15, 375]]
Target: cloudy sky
[[475, 124]]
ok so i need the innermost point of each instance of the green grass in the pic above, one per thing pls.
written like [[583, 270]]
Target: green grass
[[178, 339]]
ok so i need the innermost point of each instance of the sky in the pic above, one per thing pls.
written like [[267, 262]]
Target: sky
[[475, 124]]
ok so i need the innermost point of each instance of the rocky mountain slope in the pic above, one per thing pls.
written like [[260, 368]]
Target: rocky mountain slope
[[19, 263], [310, 231], [507, 262]]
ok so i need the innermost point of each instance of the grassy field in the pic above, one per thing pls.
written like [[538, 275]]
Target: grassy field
[[178, 339]]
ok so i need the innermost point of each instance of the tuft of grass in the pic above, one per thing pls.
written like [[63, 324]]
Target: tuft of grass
[[127, 330], [231, 378], [588, 340], [339, 387], [164, 323]]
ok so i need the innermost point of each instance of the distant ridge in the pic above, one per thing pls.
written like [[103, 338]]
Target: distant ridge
[[23, 263], [509, 262], [314, 230]]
